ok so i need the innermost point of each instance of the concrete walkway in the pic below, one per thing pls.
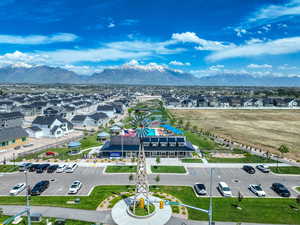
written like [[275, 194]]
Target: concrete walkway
[[98, 216]]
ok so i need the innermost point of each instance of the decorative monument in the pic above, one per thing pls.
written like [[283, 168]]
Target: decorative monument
[[142, 207]]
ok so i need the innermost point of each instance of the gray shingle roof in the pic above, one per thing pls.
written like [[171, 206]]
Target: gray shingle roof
[[11, 115], [8, 134]]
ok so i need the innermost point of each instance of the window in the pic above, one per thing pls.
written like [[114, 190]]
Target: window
[[24, 138]]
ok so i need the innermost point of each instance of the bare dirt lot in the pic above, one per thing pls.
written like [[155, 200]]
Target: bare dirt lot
[[266, 129]]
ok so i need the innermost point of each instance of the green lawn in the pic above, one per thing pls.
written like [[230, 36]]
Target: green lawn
[[86, 142], [247, 159], [43, 222], [286, 170], [200, 141], [168, 169], [191, 160], [86, 202], [298, 189], [8, 168], [254, 210], [120, 169]]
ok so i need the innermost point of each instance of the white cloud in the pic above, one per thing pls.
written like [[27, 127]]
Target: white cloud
[[253, 41], [178, 63], [272, 12], [216, 67], [204, 45], [37, 39], [273, 47], [259, 66], [111, 25], [240, 31], [287, 67]]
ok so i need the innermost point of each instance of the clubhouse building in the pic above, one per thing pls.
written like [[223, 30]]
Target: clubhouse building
[[155, 146]]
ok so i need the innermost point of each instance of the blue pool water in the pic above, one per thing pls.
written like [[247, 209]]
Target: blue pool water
[[151, 132]]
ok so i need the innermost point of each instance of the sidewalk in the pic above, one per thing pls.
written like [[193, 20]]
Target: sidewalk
[[99, 216]]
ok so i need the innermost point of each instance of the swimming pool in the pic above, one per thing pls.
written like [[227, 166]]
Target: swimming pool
[[151, 132]]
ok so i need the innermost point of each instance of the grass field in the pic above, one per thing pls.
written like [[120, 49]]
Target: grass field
[[266, 129], [8, 168], [86, 142], [298, 189], [247, 159], [168, 169], [201, 142], [120, 169], [286, 170], [255, 210], [43, 222], [191, 160]]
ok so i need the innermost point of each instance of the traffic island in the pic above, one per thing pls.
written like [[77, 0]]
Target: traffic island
[[123, 213]]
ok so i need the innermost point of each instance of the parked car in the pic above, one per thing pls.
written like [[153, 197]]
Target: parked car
[[52, 168], [42, 167], [224, 189], [200, 189], [61, 168], [75, 187], [40, 187], [263, 168], [257, 190], [281, 190], [249, 169], [71, 168], [33, 167], [24, 167], [17, 189]]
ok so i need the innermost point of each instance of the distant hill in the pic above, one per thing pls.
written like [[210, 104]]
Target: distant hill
[[38, 74], [137, 75]]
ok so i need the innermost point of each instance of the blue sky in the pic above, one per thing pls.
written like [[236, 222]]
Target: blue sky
[[258, 37]]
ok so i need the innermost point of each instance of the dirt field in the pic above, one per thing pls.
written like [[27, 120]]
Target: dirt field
[[267, 129]]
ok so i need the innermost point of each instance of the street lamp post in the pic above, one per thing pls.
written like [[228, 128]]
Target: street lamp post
[[210, 198], [27, 199]]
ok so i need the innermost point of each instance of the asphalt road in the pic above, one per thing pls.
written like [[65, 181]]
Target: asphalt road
[[236, 178]]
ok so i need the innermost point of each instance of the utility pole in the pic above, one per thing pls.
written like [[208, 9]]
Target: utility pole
[[210, 198], [27, 199]]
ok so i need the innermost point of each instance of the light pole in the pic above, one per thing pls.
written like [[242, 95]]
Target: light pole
[[210, 198], [27, 199]]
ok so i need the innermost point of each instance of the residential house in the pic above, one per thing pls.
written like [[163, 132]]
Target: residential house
[[53, 126], [109, 110], [94, 120]]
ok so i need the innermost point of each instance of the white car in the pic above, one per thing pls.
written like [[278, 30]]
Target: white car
[[224, 189], [75, 187], [61, 168], [257, 190], [71, 168], [17, 189]]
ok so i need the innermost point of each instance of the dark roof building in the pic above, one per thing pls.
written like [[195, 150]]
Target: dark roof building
[[163, 146]]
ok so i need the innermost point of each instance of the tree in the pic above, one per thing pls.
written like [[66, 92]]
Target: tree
[[283, 149], [157, 178], [158, 160], [130, 177], [180, 123], [195, 129], [187, 125]]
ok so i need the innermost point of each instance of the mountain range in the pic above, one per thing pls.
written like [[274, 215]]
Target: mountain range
[[136, 76]]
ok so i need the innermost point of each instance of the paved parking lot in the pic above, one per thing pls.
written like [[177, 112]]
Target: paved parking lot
[[237, 179]]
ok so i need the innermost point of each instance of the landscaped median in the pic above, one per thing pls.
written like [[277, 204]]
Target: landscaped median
[[120, 169], [286, 170], [191, 160], [254, 210], [8, 168], [168, 169]]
